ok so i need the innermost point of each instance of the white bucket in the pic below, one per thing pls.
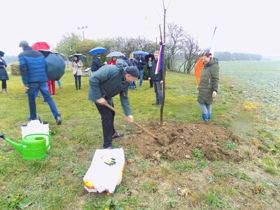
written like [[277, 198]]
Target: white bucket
[[105, 171]]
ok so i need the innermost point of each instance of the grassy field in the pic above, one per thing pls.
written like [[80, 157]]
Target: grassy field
[[194, 183]]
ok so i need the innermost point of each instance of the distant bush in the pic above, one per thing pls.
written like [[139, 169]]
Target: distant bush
[[227, 56], [14, 69]]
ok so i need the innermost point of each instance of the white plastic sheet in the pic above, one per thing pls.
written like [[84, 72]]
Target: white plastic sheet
[[105, 171]]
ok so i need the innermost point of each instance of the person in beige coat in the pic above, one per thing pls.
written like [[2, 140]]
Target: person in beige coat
[[77, 65]]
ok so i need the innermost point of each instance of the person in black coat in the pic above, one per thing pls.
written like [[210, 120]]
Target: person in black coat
[[96, 63], [149, 60], [157, 80], [132, 62], [3, 73], [140, 65]]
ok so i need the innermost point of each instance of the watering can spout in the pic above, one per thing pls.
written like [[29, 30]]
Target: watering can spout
[[18, 147]]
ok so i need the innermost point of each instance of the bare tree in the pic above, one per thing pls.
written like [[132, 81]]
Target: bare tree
[[190, 51], [175, 37]]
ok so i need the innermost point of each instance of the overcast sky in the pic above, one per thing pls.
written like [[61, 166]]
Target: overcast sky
[[242, 25]]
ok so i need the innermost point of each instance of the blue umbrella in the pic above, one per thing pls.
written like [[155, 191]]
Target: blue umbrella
[[140, 52], [2, 53], [97, 50]]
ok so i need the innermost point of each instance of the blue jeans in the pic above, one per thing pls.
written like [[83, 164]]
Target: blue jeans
[[206, 110], [141, 75], [158, 91], [33, 89]]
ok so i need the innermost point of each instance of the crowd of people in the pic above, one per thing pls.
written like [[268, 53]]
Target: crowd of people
[[106, 81]]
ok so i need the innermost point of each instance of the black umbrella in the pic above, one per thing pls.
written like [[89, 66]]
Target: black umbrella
[[150, 55], [80, 55]]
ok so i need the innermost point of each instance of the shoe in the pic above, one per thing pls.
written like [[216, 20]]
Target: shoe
[[204, 117], [117, 135], [110, 147], [58, 120]]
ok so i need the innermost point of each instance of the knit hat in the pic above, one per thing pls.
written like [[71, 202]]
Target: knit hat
[[207, 52], [23, 44], [133, 71]]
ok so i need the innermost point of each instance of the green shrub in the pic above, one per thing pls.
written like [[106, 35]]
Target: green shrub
[[14, 69]]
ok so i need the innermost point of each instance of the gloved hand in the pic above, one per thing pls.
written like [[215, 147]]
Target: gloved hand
[[214, 94], [129, 118], [101, 101]]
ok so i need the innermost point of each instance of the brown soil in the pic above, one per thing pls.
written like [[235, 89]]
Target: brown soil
[[176, 141]]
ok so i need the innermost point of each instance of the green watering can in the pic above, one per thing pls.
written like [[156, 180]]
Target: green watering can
[[32, 146]]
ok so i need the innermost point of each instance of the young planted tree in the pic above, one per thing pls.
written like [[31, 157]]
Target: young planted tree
[[162, 42]]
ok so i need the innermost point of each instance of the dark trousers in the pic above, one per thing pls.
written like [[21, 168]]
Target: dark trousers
[[77, 81], [158, 91], [149, 73], [107, 118], [151, 83], [4, 84]]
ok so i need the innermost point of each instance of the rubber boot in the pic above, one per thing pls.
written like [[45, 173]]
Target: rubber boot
[[208, 116]]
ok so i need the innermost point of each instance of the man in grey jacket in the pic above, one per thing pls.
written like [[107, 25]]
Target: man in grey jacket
[[104, 84]]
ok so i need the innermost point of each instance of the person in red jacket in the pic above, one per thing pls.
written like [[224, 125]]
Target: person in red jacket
[[112, 61]]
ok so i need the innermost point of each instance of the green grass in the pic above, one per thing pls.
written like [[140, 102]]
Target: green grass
[[214, 200], [197, 153], [56, 182]]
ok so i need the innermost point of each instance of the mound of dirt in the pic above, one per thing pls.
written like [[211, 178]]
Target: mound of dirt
[[176, 141]]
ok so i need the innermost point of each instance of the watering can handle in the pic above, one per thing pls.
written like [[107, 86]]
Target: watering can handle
[[42, 134]]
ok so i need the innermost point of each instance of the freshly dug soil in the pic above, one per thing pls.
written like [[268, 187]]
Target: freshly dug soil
[[176, 141]]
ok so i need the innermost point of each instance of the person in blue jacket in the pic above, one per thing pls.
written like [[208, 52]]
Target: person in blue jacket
[[104, 84], [3, 73], [32, 66]]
